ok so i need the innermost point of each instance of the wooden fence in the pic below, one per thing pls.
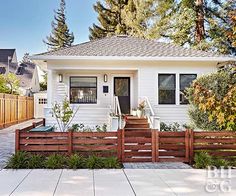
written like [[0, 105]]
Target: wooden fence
[[15, 109], [130, 146]]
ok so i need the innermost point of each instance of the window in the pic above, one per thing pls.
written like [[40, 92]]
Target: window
[[166, 83], [185, 82], [83, 89], [42, 101]]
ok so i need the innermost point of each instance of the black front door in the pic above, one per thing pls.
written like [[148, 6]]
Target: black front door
[[122, 91]]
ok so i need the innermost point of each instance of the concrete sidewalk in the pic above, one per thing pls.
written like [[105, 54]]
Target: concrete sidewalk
[[7, 140], [127, 182]]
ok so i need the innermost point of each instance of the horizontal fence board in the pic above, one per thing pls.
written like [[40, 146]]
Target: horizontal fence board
[[94, 141], [44, 148], [138, 134], [45, 141], [171, 147], [214, 147], [138, 160], [172, 153], [94, 148], [171, 134], [44, 135], [215, 140], [137, 140], [138, 154], [212, 133], [172, 140], [138, 147]]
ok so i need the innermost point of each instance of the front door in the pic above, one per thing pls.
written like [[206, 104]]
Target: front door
[[122, 91]]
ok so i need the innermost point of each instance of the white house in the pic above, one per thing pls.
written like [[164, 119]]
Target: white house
[[91, 74]]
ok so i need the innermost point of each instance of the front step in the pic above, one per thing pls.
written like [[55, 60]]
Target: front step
[[137, 125]]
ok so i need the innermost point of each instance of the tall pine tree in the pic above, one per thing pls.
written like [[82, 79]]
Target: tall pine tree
[[60, 36], [130, 17], [201, 24]]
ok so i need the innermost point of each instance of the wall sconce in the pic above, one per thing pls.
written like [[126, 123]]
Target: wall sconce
[[60, 78], [105, 77]]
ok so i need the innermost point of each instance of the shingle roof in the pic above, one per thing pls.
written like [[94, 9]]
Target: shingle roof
[[5, 53], [127, 46]]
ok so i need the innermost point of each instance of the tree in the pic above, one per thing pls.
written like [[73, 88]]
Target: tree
[[127, 17], [43, 84], [26, 58], [60, 36], [213, 101], [9, 84], [197, 23]]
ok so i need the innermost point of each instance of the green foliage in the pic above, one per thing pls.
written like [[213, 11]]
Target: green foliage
[[203, 24], [18, 161], [64, 114], [60, 36], [102, 128], [175, 126], [213, 101], [202, 160], [9, 83], [43, 84], [76, 162], [35, 162], [129, 17], [55, 161], [111, 162], [94, 162]]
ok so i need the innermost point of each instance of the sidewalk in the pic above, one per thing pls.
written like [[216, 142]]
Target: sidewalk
[[7, 140], [127, 182]]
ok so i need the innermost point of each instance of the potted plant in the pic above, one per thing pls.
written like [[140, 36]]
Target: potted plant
[[141, 109], [114, 122], [134, 112]]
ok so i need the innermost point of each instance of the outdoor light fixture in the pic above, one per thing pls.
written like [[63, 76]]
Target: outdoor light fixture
[[60, 77], [105, 77]]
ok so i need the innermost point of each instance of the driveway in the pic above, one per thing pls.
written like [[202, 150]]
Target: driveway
[[7, 140], [127, 182]]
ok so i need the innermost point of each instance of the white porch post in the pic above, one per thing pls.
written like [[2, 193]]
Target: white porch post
[[49, 88]]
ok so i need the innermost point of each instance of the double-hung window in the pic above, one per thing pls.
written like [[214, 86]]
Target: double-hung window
[[167, 88], [185, 82], [83, 89]]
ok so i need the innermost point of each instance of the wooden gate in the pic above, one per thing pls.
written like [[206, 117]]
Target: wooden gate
[[155, 146]]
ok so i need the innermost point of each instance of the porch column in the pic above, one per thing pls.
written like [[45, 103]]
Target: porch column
[[50, 88]]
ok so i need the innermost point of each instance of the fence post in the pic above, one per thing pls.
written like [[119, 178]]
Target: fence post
[[191, 146], [154, 143], [70, 142], [122, 145], [17, 140], [157, 145], [186, 141], [119, 144]]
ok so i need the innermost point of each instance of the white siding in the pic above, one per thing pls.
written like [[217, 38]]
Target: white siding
[[144, 82]]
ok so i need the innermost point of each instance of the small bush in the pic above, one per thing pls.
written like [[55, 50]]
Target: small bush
[[94, 162], [76, 162], [55, 161], [221, 163], [18, 161], [36, 162], [203, 160], [111, 162]]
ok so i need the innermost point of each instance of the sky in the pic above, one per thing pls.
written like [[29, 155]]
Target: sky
[[25, 23]]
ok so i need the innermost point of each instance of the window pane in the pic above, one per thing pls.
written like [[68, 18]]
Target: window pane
[[166, 84], [185, 82], [83, 82], [83, 95], [121, 87]]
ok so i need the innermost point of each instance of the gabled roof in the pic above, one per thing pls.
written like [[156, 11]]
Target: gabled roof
[[5, 53], [126, 46]]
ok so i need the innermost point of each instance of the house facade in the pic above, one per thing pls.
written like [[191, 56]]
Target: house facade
[[99, 75]]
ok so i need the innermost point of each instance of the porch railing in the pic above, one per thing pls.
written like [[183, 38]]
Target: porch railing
[[150, 114], [118, 111]]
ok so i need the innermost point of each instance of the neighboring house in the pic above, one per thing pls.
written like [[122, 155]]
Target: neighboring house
[[27, 73], [133, 69]]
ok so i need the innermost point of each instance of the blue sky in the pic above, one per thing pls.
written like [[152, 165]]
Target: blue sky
[[25, 23]]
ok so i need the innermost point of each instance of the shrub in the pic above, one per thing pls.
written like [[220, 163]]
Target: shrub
[[94, 162], [111, 162], [213, 101], [75, 162], [55, 161], [36, 161], [202, 160], [18, 160], [221, 163]]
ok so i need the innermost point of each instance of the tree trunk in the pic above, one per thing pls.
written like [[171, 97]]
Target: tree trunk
[[200, 29]]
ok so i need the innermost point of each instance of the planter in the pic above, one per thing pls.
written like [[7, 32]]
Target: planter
[[140, 113], [134, 112], [114, 123]]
